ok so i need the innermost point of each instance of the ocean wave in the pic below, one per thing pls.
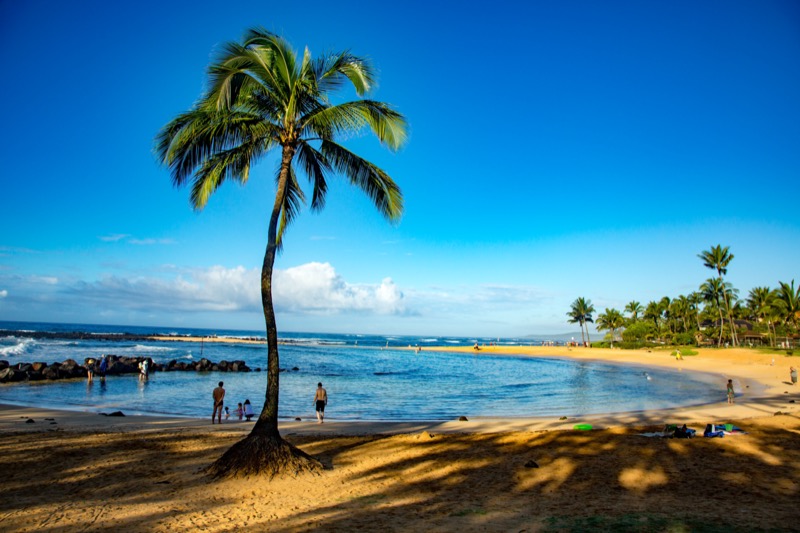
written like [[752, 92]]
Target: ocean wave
[[19, 347], [429, 340]]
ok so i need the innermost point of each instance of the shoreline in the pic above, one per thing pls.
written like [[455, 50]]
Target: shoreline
[[760, 391]]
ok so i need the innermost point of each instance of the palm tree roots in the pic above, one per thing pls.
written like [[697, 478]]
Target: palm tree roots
[[263, 455]]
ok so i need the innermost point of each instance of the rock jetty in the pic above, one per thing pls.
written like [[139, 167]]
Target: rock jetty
[[117, 365]]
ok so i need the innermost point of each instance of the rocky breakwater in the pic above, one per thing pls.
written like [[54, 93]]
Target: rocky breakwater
[[117, 365]]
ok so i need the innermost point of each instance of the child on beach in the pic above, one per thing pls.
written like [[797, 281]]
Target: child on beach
[[227, 413], [730, 391], [239, 411]]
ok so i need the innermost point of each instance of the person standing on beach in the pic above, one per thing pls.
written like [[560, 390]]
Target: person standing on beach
[[219, 395], [90, 370], [793, 375], [320, 401], [730, 391]]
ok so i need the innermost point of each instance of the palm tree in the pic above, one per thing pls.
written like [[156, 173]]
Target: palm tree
[[263, 98], [712, 291], [652, 312], [695, 298], [789, 303], [580, 313], [610, 320], [761, 300], [634, 308], [679, 312], [718, 258]]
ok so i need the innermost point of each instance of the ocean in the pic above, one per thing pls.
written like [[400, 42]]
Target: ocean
[[368, 377]]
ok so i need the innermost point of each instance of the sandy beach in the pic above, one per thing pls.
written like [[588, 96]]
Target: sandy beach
[[69, 471]]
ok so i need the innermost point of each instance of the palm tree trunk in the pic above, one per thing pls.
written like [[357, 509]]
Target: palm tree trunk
[[264, 451]]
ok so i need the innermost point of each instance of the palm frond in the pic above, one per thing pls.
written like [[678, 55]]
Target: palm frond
[[233, 164], [375, 183], [316, 167], [386, 123], [189, 141], [331, 71]]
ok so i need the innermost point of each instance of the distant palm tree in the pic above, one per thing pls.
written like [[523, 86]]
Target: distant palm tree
[[580, 313], [679, 310], [713, 290], [610, 320], [718, 258], [759, 300], [652, 312], [695, 299], [263, 98], [789, 303], [634, 308]]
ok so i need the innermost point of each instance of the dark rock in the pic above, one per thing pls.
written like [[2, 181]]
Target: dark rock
[[38, 367], [3, 364], [34, 376], [531, 464], [115, 413], [298, 419], [295, 369], [51, 372], [24, 367], [563, 418], [11, 375], [462, 419], [29, 421]]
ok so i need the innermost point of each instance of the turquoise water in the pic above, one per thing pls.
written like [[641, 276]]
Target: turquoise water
[[364, 381]]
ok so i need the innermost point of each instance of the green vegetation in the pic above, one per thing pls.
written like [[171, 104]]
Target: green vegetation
[[264, 98], [714, 315]]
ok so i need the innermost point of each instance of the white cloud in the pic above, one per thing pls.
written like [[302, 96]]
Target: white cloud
[[311, 288], [43, 280], [316, 287], [114, 238], [130, 239], [149, 242]]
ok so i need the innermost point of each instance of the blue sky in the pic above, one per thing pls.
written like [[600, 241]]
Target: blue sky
[[557, 150]]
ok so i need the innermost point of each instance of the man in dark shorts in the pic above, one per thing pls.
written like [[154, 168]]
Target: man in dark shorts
[[219, 395], [320, 400]]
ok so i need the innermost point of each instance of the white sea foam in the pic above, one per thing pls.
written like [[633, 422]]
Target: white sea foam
[[19, 347]]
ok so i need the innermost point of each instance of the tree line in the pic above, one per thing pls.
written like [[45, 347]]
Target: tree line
[[713, 314]]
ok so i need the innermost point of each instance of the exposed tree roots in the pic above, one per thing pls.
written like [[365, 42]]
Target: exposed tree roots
[[263, 455]]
